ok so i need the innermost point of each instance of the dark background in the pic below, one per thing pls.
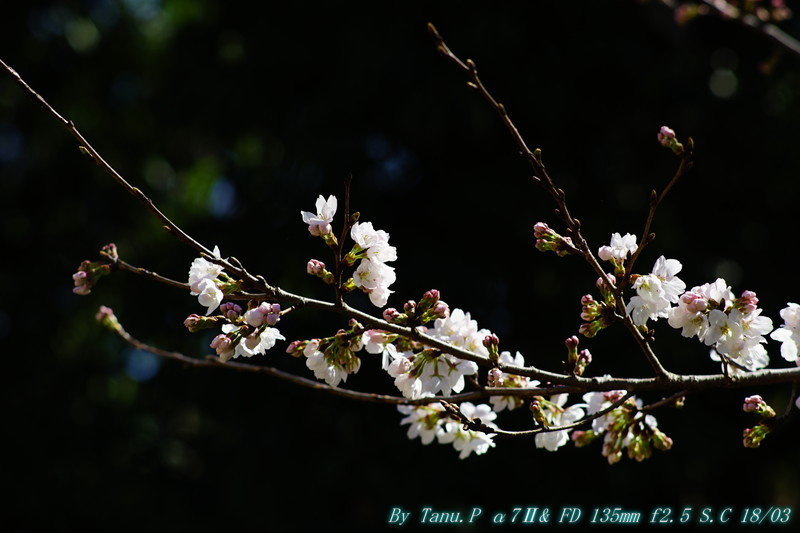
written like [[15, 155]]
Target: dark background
[[233, 117]]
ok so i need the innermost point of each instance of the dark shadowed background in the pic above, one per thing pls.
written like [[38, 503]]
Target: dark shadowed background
[[234, 116]]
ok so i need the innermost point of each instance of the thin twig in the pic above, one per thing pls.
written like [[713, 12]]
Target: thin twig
[[684, 165], [541, 176], [122, 265], [577, 423], [665, 401], [87, 149]]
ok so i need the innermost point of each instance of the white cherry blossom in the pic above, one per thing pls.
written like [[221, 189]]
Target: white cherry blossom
[[319, 223], [619, 247], [789, 333], [557, 415]]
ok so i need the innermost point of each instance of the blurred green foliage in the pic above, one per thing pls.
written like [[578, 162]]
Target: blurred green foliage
[[234, 116]]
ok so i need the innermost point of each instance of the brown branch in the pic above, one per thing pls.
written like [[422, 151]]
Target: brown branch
[[560, 383], [541, 176], [655, 200], [577, 423], [122, 265], [665, 401], [87, 149]]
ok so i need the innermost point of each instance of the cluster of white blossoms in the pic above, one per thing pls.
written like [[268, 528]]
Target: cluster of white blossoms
[[431, 421], [430, 371], [373, 275], [231, 343], [733, 327], [204, 282], [656, 292], [334, 364]]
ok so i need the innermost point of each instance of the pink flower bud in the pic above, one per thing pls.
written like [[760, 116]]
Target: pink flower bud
[[107, 318], [192, 321], [495, 378], [747, 303], [222, 344], [390, 314], [82, 290], [432, 294], [315, 267], [441, 309], [110, 252], [295, 348], [667, 139], [572, 343], [695, 303], [542, 231], [230, 310], [491, 340]]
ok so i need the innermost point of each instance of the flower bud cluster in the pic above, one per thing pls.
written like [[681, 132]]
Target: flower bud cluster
[[195, 323], [430, 307], [548, 240], [576, 362], [756, 404], [624, 428], [89, 273], [332, 359], [668, 139], [598, 314], [106, 317], [752, 437], [492, 343], [317, 268], [266, 313]]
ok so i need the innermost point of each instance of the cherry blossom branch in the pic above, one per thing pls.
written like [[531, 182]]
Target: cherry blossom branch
[[542, 177], [107, 317], [86, 148], [540, 174], [122, 265], [569, 383]]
